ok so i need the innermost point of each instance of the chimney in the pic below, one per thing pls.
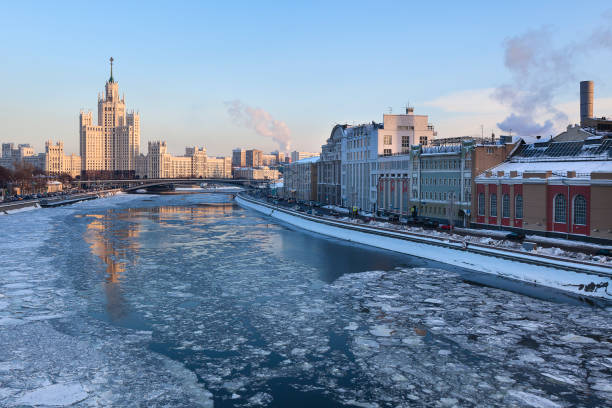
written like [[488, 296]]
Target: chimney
[[586, 101]]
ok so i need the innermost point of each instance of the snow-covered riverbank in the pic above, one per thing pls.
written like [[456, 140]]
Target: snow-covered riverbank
[[576, 277]]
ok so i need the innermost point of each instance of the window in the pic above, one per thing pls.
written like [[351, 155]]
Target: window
[[579, 210], [560, 207], [388, 139], [423, 140], [405, 141], [481, 204], [505, 206], [493, 209], [387, 152], [518, 207]]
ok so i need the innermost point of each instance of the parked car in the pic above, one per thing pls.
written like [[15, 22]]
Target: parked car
[[446, 227], [515, 236], [394, 218], [427, 223]]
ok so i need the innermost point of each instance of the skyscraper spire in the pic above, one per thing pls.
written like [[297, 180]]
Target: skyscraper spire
[[111, 76]]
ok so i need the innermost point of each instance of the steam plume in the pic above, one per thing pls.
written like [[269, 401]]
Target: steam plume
[[539, 71], [261, 122]]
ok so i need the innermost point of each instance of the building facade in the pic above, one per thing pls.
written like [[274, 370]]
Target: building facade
[[238, 158], [23, 153], [300, 179], [219, 167], [329, 168], [110, 147], [560, 189], [436, 182], [254, 158], [297, 156], [56, 162], [359, 148], [53, 161], [399, 132], [257, 173]]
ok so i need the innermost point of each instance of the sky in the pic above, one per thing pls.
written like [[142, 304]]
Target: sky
[[273, 75]]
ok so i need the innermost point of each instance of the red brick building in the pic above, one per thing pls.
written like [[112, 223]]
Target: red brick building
[[561, 189]]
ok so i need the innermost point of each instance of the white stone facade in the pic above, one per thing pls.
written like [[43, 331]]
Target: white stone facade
[[114, 143]]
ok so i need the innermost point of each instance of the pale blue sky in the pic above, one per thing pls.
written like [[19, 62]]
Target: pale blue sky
[[310, 65]]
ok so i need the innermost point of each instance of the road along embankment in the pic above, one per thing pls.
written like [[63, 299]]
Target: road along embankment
[[578, 277]]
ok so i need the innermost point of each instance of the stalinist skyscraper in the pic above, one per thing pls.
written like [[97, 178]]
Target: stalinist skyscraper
[[110, 148]]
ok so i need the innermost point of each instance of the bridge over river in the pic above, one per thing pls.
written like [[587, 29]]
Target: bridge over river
[[132, 185]]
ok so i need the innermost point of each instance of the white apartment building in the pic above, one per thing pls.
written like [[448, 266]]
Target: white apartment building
[[159, 163], [114, 143], [219, 167], [363, 145], [359, 154], [22, 153], [53, 161], [56, 162], [399, 132]]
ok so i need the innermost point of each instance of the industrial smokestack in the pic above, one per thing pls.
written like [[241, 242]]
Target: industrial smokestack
[[586, 101]]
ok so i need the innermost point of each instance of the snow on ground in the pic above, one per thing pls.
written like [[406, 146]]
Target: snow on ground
[[496, 239], [341, 210]]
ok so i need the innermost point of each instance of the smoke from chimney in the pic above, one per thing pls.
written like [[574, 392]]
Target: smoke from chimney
[[539, 71], [261, 122]]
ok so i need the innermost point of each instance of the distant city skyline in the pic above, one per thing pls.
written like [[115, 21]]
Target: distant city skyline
[[274, 75]]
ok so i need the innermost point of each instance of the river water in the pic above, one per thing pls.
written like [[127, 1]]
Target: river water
[[190, 300]]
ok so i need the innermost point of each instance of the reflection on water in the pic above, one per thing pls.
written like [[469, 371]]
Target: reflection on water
[[112, 242], [116, 244], [114, 237]]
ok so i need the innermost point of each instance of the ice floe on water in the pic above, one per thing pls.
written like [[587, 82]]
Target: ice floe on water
[[158, 301]]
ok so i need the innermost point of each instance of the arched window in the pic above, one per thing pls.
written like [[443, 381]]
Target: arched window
[[518, 206], [560, 207], [481, 204], [580, 210], [493, 209], [506, 206]]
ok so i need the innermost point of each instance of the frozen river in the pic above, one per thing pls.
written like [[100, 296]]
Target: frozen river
[[193, 301]]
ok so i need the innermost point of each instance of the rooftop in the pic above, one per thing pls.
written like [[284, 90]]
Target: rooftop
[[592, 148]]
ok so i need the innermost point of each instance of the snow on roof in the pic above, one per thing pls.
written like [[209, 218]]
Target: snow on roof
[[313, 159], [582, 167], [442, 149]]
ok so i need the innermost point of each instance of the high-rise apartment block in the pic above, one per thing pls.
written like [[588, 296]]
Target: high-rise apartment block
[[239, 158], [111, 147], [254, 158]]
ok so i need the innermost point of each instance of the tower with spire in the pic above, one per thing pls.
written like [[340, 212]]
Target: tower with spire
[[112, 145]]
